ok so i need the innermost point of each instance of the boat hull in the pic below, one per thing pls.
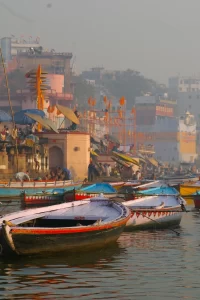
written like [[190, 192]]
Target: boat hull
[[186, 190], [77, 195], [15, 190], [30, 200], [152, 219], [60, 240]]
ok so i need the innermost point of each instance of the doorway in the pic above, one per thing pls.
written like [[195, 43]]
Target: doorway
[[55, 157]]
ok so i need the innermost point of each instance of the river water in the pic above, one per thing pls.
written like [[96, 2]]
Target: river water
[[141, 265]]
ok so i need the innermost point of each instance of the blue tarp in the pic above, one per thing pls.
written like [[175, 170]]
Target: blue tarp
[[4, 117], [21, 119], [160, 191], [99, 188]]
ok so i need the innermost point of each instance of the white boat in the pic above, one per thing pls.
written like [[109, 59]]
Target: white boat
[[69, 226], [155, 212]]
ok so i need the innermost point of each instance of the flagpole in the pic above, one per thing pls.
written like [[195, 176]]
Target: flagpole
[[9, 101]]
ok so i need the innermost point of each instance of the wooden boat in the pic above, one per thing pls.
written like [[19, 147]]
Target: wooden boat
[[90, 192], [140, 184], [161, 190], [189, 188], [135, 185], [65, 227], [155, 212], [175, 180], [15, 189], [48, 197], [60, 195]]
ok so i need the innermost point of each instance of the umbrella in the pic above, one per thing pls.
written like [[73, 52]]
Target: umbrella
[[39, 119], [44, 122], [21, 118], [112, 138], [51, 124], [68, 113], [4, 117]]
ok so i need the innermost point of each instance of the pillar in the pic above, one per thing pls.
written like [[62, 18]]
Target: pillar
[[67, 76]]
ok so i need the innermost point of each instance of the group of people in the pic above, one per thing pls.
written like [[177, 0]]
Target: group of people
[[97, 170], [16, 133], [55, 174], [58, 173]]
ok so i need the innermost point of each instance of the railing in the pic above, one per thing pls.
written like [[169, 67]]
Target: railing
[[36, 184]]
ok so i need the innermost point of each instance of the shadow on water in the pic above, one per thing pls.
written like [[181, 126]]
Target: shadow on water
[[82, 259]]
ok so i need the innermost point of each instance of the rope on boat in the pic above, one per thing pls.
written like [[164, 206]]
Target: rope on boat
[[177, 233]]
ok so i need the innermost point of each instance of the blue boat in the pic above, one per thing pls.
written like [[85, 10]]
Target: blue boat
[[97, 188], [15, 189], [162, 190]]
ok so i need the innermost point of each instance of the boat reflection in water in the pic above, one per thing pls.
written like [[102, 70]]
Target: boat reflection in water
[[61, 275]]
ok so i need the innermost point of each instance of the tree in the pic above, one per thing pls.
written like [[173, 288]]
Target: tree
[[16, 81], [82, 91], [130, 84]]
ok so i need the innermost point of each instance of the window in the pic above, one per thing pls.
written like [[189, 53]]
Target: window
[[180, 89], [190, 97]]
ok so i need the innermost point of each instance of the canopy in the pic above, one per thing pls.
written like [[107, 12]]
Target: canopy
[[153, 161], [22, 118], [4, 117], [51, 124], [125, 158], [68, 113], [121, 162], [39, 119], [47, 123]]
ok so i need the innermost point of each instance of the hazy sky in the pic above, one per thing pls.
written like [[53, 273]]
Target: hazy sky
[[160, 38]]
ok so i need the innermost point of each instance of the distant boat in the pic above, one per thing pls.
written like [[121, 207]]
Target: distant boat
[[189, 188], [15, 189], [48, 197], [60, 195], [155, 212], [74, 226], [161, 190], [91, 191]]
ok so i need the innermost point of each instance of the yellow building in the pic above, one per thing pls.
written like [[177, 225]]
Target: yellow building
[[70, 150]]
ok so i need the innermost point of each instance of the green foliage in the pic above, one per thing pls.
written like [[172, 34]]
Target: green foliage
[[130, 84], [82, 91]]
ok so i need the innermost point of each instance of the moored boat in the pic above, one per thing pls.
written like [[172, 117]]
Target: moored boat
[[48, 197], [155, 212], [60, 195], [189, 188], [90, 192], [65, 227], [160, 190], [15, 189]]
